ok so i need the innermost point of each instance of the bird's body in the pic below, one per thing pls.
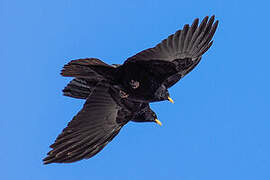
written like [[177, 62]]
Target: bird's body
[[121, 77], [83, 88], [149, 76]]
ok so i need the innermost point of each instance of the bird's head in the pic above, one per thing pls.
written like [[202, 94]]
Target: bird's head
[[162, 93], [146, 116]]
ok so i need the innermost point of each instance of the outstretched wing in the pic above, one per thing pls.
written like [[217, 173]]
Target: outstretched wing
[[184, 48], [90, 130]]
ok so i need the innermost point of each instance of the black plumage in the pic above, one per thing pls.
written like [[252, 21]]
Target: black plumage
[[80, 88], [147, 75], [184, 50], [99, 121], [117, 94], [92, 68]]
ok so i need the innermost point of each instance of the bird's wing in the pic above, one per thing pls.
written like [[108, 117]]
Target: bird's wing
[[182, 71], [90, 130], [184, 48], [190, 42]]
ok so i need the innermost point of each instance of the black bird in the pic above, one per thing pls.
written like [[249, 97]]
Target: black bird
[[99, 121], [146, 76]]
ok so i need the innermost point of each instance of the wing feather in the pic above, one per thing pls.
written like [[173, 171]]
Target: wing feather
[[184, 48], [185, 43], [89, 131]]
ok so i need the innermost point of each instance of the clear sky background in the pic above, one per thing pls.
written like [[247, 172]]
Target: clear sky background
[[218, 128]]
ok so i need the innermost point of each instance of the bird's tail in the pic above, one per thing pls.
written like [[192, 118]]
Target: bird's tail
[[79, 88], [89, 68]]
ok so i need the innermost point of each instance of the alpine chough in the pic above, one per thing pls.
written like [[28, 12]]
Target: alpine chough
[[99, 121], [147, 75]]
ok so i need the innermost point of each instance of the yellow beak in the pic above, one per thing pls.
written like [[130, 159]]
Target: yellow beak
[[170, 99], [158, 122]]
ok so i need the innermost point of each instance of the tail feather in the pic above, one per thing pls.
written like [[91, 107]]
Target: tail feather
[[87, 72], [90, 68], [79, 88]]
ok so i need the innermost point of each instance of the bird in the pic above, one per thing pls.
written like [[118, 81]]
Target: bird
[[146, 76], [99, 121], [119, 93]]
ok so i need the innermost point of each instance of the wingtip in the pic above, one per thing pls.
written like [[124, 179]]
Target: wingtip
[[213, 18], [196, 21], [216, 23], [205, 19], [45, 163], [46, 160]]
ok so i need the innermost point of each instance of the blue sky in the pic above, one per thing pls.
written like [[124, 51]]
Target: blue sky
[[218, 127]]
